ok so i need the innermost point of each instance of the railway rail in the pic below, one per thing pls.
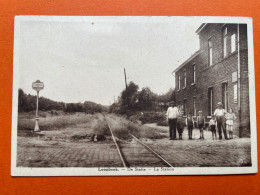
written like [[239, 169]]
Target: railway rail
[[150, 153]]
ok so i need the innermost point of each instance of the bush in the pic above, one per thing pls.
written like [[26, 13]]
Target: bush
[[152, 117], [100, 130], [162, 123]]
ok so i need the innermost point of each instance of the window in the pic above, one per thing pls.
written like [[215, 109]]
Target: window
[[184, 107], [225, 95], [194, 106], [180, 107], [210, 101], [235, 93], [210, 52], [179, 82], [194, 73], [233, 43], [185, 78], [225, 42]]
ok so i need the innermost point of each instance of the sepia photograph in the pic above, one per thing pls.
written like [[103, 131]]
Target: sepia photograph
[[132, 95]]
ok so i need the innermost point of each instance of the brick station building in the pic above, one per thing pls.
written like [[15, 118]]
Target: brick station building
[[217, 72]]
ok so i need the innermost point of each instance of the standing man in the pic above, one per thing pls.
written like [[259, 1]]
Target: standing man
[[220, 116], [171, 115]]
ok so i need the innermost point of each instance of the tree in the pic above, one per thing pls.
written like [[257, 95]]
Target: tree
[[128, 96], [145, 99], [92, 107], [21, 100], [27, 103], [132, 100]]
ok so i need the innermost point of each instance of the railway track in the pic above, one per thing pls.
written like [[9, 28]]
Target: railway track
[[137, 154]]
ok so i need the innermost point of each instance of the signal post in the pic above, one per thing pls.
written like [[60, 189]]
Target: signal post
[[37, 86]]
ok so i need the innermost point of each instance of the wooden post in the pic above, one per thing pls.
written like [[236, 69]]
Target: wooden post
[[126, 89], [125, 80]]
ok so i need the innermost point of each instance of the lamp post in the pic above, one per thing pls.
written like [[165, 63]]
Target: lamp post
[[37, 86]]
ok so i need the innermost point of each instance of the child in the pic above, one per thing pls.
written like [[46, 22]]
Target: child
[[189, 124], [230, 116], [201, 124], [212, 127], [180, 125]]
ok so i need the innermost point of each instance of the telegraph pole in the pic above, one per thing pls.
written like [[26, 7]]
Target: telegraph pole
[[126, 88], [125, 80]]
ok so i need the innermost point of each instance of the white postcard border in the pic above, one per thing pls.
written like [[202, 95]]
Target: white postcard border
[[21, 171]]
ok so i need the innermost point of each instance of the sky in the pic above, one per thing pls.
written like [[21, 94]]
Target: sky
[[84, 59]]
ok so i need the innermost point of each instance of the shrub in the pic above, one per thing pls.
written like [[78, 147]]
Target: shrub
[[162, 123], [152, 117], [100, 130]]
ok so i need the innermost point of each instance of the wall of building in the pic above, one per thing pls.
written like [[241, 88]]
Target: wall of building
[[214, 77], [244, 82], [220, 72], [191, 90]]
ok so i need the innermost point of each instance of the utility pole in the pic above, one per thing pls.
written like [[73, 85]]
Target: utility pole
[[126, 88], [125, 80]]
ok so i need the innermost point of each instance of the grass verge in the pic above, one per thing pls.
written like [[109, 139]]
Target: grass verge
[[122, 128], [55, 122]]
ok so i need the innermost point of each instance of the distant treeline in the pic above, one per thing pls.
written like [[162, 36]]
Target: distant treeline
[[27, 103], [132, 99]]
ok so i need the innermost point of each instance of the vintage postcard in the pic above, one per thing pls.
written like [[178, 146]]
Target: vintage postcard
[[107, 95]]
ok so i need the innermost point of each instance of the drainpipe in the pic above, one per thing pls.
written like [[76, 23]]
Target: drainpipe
[[174, 99], [238, 80]]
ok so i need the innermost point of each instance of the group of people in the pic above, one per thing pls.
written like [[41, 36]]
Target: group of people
[[221, 119]]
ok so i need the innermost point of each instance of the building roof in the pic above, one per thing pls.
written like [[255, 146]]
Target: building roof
[[201, 27], [187, 61]]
